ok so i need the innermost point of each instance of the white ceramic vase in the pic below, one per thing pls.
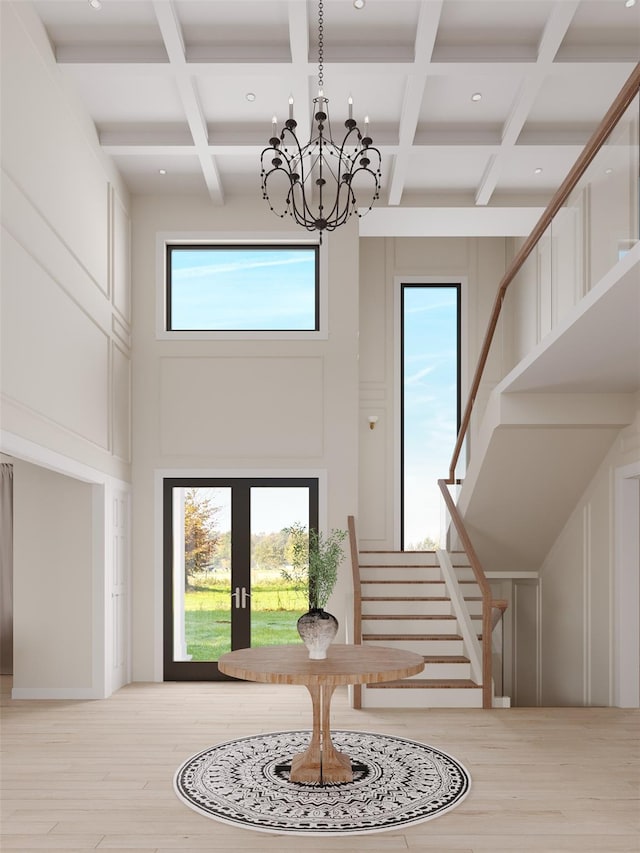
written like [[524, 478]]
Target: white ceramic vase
[[317, 628]]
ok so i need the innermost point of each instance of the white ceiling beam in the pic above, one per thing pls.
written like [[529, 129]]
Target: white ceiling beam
[[553, 34], [426, 32], [186, 85], [109, 58], [301, 68], [449, 221]]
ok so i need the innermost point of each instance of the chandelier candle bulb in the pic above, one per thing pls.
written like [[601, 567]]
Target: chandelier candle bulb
[[350, 102], [291, 106]]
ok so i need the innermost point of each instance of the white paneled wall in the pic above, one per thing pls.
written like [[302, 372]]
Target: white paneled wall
[[66, 367], [65, 265], [269, 406], [586, 239], [579, 609], [479, 265]]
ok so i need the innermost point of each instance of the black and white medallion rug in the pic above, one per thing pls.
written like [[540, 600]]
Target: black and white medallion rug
[[396, 783]]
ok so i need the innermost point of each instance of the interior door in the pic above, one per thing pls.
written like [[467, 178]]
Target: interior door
[[120, 591], [225, 567]]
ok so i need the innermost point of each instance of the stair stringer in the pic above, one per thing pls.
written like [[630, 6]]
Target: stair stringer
[[461, 611]]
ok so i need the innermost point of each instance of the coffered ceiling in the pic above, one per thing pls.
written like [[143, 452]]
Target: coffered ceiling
[[189, 87]]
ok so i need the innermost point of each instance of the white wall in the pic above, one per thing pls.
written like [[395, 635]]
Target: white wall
[[65, 362], [577, 591], [53, 586], [480, 263], [65, 264], [244, 406]]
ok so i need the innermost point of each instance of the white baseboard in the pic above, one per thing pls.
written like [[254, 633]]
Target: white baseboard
[[81, 693], [501, 701]]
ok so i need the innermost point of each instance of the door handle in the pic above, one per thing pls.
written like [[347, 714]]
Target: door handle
[[240, 597]]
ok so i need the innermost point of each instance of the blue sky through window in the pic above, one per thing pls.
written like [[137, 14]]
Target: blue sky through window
[[243, 289], [430, 381]]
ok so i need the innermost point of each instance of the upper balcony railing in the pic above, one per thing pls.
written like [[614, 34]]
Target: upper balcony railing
[[588, 226]]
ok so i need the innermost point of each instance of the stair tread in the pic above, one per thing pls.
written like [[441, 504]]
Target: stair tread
[[445, 659], [395, 553], [369, 637], [426, 683]]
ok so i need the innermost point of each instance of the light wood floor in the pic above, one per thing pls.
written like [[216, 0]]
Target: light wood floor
[[80, 776]]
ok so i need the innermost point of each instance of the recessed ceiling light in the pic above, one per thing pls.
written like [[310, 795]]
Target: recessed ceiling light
[[537, 171], [629, 3], [608, 171], [95, 4], [359, 4], [162, 171], [477, 96], [250, 96]]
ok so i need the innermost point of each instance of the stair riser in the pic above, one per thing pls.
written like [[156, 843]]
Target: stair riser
[[406, 608], [445, 670], [400, 573], [450, 697], [409, 589], [398, 558], [423, 647], [465, 573], [409, 626]]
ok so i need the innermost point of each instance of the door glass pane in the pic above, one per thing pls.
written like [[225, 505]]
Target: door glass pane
[[201, 573], [279, 596]]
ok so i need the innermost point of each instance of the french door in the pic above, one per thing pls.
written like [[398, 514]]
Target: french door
[[227, 582]]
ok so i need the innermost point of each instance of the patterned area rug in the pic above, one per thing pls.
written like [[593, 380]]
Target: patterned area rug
[[396, 783]]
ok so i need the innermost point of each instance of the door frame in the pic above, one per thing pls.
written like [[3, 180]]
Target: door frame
[[625, 600], [160, 474]]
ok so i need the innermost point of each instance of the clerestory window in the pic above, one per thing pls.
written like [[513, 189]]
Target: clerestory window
[[242, 288]]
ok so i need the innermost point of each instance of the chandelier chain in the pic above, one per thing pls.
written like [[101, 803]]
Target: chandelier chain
[[320, 44]]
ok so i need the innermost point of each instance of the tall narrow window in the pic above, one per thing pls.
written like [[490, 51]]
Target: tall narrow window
[[430, 404]]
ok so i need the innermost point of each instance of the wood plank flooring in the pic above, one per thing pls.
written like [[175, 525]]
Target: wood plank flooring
[[80, 776]]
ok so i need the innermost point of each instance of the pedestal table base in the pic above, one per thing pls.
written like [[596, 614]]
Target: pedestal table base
[[321, 761]]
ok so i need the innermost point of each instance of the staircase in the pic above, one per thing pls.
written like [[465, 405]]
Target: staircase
[[405, 605]]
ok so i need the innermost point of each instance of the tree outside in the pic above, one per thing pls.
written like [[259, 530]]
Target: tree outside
[[200, 536]]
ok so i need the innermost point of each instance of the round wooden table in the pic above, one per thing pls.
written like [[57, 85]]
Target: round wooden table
[[321, 762]]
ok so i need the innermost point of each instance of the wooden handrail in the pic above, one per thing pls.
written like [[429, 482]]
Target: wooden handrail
[[357, 601], [613, 116], [485, 589]]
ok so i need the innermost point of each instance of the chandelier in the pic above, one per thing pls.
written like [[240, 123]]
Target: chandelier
[[315, 182]]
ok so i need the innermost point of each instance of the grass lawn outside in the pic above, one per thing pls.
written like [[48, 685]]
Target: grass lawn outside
[[275, 609]]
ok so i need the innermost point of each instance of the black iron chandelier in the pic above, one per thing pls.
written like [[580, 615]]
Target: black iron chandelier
[[316, 181]]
